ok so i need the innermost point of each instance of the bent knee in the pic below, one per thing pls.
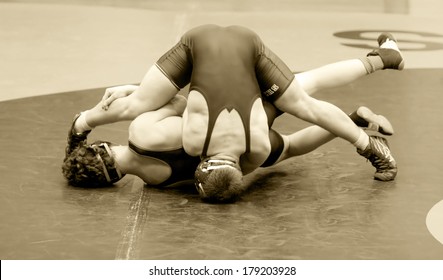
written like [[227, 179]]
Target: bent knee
[[140, 132], [134, 133]]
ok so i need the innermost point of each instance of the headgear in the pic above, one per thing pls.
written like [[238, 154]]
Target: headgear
[[205, 168]]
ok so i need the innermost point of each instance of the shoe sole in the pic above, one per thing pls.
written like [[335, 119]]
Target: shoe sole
[[384, 177], [384, 125]]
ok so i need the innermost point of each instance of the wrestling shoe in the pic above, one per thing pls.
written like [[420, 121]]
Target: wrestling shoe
[[75, 139], [388, 52], [380, 156], [365, 118]]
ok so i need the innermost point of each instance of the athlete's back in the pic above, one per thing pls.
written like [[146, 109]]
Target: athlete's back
[[225, 95]]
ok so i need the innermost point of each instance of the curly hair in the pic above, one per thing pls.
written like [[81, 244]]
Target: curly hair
[[223, 185], [83, 168]]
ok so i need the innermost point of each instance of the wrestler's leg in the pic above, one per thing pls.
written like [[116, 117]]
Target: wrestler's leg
[[377, 150], [294, 99], [161, 83], [297, 102], [331, 75], [343, 72], [337, 74], [154, 91], [305, 141]]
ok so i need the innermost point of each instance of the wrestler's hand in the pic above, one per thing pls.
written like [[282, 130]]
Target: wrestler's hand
[[114, 93]]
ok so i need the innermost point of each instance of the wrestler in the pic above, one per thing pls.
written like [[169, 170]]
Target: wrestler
[[229, 70], [159, 159]]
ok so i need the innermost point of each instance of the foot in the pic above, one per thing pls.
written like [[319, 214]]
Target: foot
[[365, 118], [75, 139], [380, 156], [389, 52]]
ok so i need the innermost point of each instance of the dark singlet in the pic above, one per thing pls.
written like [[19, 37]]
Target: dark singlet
[[230, 67], [182, 165]]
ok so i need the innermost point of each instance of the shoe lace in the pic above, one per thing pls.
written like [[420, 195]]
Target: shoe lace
[[380, 164], [379, 157]]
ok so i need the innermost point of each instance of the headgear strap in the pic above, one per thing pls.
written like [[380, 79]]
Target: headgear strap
[[112, 173], [119, 174], [105, 170]]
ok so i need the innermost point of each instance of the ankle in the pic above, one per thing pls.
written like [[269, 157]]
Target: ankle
[[362, 141], [372, 63]]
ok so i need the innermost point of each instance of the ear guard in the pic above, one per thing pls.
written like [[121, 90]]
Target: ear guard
[[105, 156]]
